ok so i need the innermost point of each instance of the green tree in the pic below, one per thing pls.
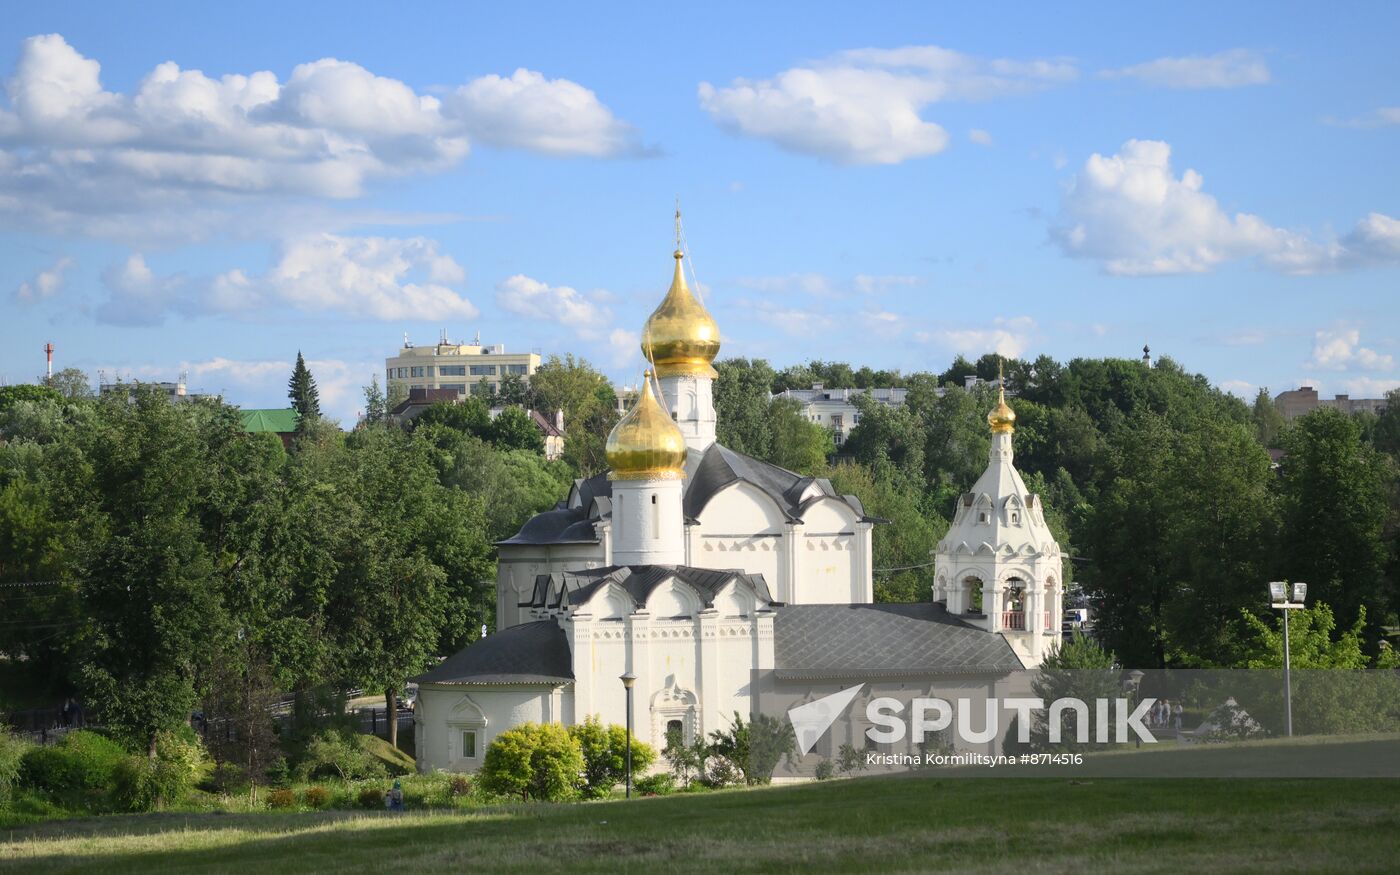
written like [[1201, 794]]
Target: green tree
[[376, 405], [12, 395], [149, 592], [755, 748], [71, 383], [515, 391], [533, 761], [1335, 493], [514, 429], [904, 542], [797, 445], [468, 416], [1078, 669], [1313, 641], [305, 398], [389, 597], [604, 750], [742, 406], [1385, 437], [1268, 421]]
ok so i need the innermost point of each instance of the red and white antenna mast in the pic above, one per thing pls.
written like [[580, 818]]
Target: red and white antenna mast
[[48, 353]]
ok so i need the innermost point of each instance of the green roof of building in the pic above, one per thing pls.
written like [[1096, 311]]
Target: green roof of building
[[276, 421]]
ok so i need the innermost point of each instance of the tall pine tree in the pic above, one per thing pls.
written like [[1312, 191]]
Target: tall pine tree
[[301, 389]]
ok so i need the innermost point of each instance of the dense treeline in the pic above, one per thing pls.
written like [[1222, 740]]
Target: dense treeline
[[178, 562], [1159, 485], [156, 559]]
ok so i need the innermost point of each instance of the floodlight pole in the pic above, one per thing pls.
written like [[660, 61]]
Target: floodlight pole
[[1279, 600], [628, 680], [1287, 681]]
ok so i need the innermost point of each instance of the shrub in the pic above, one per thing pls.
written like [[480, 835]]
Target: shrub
[[336, 753], [12, 751], [721, 771], [316, 797], [533, 761], [371, 797], [279, 774], [755, 748], [604, 751], [142, 783], [80, 764], [281, 799], [459, 786], [655, 785], [825, 769]]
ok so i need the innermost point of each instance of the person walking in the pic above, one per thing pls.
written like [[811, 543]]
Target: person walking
[[1176, 717]]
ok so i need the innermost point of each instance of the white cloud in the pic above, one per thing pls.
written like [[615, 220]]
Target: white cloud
[[624, 347], [1007, 337], [564, 305], [46, 283], [1340, 349], [73, 155], [1230, 69], [362, 277], [1380, 117], [1370, 387], [980, 137], [865, 106], [1133, 215], [553, 116], [816, 285], [1240, 388]]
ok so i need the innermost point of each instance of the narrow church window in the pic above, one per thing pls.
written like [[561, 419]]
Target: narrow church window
[[675, 729], [1015, 518], [469, 744], [655, 518], [982, 517]]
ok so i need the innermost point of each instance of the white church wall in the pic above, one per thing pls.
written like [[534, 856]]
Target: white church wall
[[518, 565], [444, 712]]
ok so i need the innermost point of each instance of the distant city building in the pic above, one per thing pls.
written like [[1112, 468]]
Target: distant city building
[[835, 409], [462, 367], [177, 392], [552, 430], [420, 399], [1304, 400], [279, 421]]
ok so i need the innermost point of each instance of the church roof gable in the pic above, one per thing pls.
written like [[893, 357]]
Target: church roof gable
[[591, 499], [883, 640], [524, 654]]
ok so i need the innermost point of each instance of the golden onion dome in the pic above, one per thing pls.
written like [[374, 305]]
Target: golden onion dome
[[1002, 418], [681, 338], [646, 444]]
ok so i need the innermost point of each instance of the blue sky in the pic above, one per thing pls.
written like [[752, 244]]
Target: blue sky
[[207, 189]]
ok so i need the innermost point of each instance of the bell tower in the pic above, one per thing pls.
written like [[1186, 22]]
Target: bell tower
[[999, 566]]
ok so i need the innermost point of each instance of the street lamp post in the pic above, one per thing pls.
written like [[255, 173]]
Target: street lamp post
[[628, 680], [1278, 600]]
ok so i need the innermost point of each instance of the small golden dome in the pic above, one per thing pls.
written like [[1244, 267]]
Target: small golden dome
[[681, 337], [1002, 418], [646, 444]]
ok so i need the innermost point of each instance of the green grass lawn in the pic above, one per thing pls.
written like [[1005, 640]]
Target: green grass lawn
[[890, 824]]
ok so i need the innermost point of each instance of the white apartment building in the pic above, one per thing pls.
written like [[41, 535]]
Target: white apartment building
[[466, 367], [835, 409]]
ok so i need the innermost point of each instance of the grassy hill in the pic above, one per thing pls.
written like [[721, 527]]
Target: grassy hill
[[917, 823]]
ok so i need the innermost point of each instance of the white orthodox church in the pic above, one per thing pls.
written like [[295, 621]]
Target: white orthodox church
[[690, 566]]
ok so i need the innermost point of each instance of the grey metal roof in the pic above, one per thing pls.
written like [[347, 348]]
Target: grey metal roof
[[590, 500], [531, 653], [563, 588], [818, 641]]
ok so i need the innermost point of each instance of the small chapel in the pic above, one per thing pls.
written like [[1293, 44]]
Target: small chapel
[[690, 566]]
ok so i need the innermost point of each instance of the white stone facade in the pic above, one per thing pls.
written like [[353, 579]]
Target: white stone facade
[[693, 665]]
